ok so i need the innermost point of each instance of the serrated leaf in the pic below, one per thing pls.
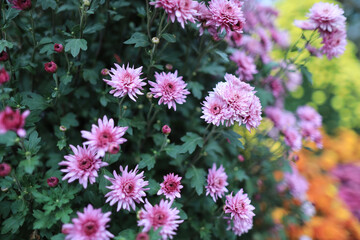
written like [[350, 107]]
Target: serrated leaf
[[93, 28], [154, 187], [139, 39], [173, 150], [148, 161], [45, 4], [12, 224], [8, 138], [196, 89], [169, 37], [306, 74], [61, 144], [197, 178], [233, 138], [191, 140], [66, 79], [5, 44], [213, 69], [34, 101], [74, 46], [11, 13], [69, 120]]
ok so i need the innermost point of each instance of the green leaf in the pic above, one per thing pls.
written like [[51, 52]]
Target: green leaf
[[113, 158], [12, 224], [169, 37], [213, 69], [61, 144], [66, 79], [5, 44], [222, 55], [196, 89], [30, 164], [265, 71], [69, 120], [43, 220], [74, 46], [233, 138], [266, 97], [90, 75], [191, 140], [93, 28], [33, 101], [8, 138], [103, 182], [139, 39], [173, 150], [59, 236], [32, 144], [126, 235], [306, 74], [148, 161], [154, 187], [11, 13], [45, 4], [197, 178]]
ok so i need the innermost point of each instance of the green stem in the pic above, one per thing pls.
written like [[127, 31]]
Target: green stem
[[120, 107]]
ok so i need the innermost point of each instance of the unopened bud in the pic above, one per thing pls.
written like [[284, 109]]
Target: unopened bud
[[240, 158], [149, 95], [125, 107], [155, 40], [142, 236], [86, 3], [62, 128], [140, 106], [52, 181], [113, 148], [169, 66], [166, 130], [104, 71], [5, 169]]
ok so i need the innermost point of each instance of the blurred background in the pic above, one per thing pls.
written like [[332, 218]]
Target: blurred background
[[333, 173]]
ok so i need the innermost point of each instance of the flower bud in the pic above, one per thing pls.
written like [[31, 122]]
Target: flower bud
[[142, 236], [105, 71], [149, 95], [58, 47], [4, 56], [5, 169], [169, 66], [113, 148], [50, 67], [166, 130], [52, 181], [240, 158], [62, 128], [155, 40], [4, 76], [86, 3]]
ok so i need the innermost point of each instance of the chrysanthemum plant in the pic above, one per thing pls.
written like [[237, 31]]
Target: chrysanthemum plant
[[143, 119]]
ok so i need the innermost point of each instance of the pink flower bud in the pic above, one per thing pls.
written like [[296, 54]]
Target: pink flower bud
[[113, 148], [241, 158], [21, 4], [50, 67], [142, 236], [58, 47], [169, 66], [3, 56], [5, 169], [52, 181], [11, 120], [4, 76], [166, 129], [105, 71]]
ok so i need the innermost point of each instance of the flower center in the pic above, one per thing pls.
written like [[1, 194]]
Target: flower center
[[90, 227], [159, 219], [128, 187], [219, 182], [2, 168], [216, 109], [85, 163], [127, 79], [104, 138], [171, 186]]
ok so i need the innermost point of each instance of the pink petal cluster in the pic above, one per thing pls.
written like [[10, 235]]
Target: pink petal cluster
[[181, 10], [4, 76], [296, 183], [83, 165], [89, 225], [294, 78], [160, 215], [310, 122], [246, 65], [292, 138], [241, 212], [329, 20], [11, 120], [232, 101], [126, 189], [5, 169], [126, 81], [169, 88], [171, 186], [103, 137], [216, 182], [21, 4]]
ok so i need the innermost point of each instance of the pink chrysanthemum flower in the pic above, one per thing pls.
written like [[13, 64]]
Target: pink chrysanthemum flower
[[169, 88], [126, 189], [294, 78], [292, 138], [171, 186], [327, 16], [310, 132], [282, 119], [309, 114], [11, 120], [160, 215], [4, 76], [21, 4], [334, 44], [253, 119], [104, 136], [90, 225], [215, 110], [216, 182], [296, 183], [240, 226], [202, 17], [126, 81], [83, 165], [226, 15], [246, 65], [239, 206], [305, 25]]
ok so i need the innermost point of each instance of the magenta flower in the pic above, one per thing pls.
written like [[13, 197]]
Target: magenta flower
[[226, 15], [239, 206], [4, 76], [126, 81], [50, 67], [292, 138], [309, 114], [126, 189], [281, 118], [171, 186], [296, 183], [11, 120], [241, 226], [305, 25], [5, 169], [246, 65], [83, 165], [215, 110], [4, 56], [89, 225], [334, 44], [58, 47], [327, 16], [102, 138], [160, 215], [169, 88], [21, 4], [216, 182], [52, 181]]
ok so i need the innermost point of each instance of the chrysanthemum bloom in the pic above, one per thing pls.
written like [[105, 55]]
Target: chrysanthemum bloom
[[160, 215], [4, 56], [5, 169], [126, 189], [216, 182], [294, 78], [246, 65], [281, 118], [334, 44], [296, 183], [253, 119], [171, 186], [126, 81], [4, 76], [90, 225], [281, 38], [166, 130], [182, 10], [292, 138], [327, 16], [226, 15], [215, 110], [52, 181], [21, 4], [308, 209], [239, 206], [241, 226], [311, 133], [13, 121], [309, 114], [58, 47], [103, 136], [83, 165], [202, 17], [169, 88], [305, 25], [50, 67], [113, 148]]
